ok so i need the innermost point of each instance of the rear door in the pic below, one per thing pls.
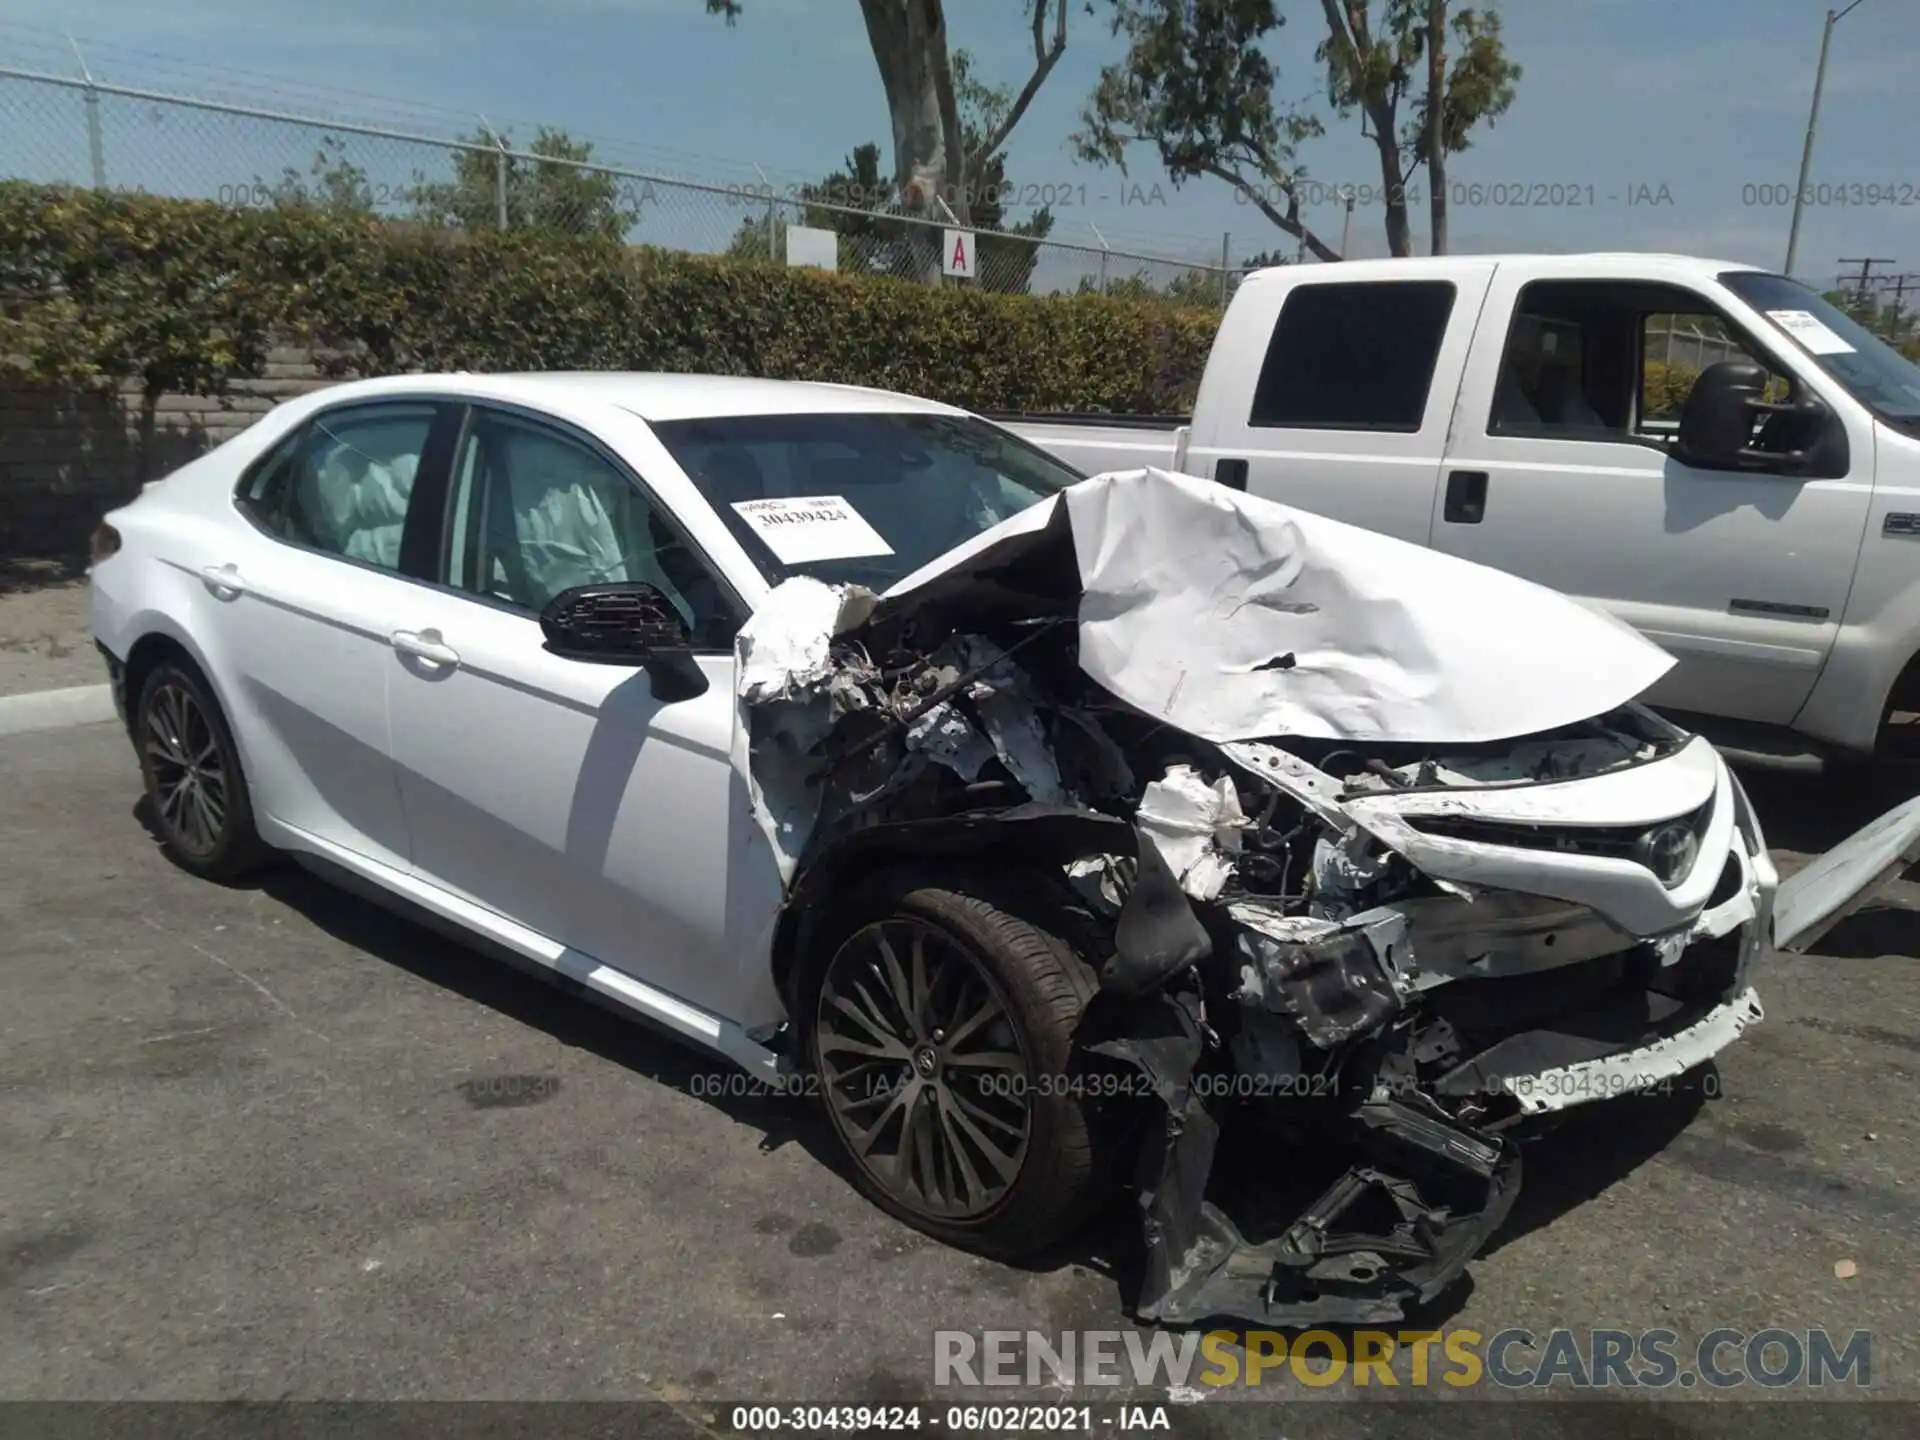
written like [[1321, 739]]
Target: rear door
[[1560, 471], [299, 611], [1335, 395]]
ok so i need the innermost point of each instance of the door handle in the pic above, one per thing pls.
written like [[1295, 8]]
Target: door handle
[[425, 645], [1231, 473], [1466, 497], [223, 577]]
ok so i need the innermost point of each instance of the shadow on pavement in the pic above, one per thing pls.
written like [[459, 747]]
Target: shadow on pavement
[[1813, 813]]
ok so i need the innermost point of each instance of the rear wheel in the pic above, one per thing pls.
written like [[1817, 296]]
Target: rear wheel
[[198, 793], [941, 1035]]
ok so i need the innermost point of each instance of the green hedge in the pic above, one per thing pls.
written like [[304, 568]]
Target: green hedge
[[185, 296], [1664, 389]]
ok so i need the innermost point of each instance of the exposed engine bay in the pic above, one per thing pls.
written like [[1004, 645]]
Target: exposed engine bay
[[1331, 909]]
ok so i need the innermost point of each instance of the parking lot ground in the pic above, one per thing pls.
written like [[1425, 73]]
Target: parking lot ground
[[273, 1142], [44, 644]]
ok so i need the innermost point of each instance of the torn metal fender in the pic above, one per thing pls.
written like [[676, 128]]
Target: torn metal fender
[[1828, 889]]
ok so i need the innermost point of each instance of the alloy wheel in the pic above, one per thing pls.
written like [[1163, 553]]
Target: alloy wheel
[[924, 1072], [190, 782]]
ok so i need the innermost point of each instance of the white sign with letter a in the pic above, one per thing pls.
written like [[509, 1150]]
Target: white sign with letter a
[[958, 257]]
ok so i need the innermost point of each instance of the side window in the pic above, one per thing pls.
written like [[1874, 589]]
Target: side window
[[533, 512], [1565, 371], [1600, 360], [1675, 347], [341, 483], [1353, 356], [264, 489]]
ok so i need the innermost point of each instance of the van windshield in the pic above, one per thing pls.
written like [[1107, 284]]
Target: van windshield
[[1873, 372], [859, 498]]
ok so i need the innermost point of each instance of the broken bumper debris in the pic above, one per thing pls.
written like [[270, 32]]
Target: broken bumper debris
[[1377, 859]]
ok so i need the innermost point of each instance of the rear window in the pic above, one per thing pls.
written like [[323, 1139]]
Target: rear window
[[859, 498], [1353, 356]]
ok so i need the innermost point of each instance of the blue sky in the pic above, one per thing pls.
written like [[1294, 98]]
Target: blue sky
[[1703, 98]]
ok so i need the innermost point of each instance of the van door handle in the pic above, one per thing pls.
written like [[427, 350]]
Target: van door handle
[[1466, 497], [425, 645], [1231, 473], [224, 580]]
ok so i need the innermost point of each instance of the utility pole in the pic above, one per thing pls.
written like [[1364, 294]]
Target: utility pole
[[1899, 320], [1866, 274], [1834, 17]]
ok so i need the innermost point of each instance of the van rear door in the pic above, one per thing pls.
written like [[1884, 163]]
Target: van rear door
[[1331, 388]]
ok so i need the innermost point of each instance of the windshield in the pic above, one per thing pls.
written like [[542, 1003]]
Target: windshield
[[1874, 373], [860, 498]]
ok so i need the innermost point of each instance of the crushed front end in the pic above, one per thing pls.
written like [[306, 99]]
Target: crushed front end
[[1359, 969]]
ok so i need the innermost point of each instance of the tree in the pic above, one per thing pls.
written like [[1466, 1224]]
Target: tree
[[1195, 85], [841, 201], [933, 155], [1886, 316], [563, 196], [1404, 60], [1195, 289], [331, 182], [1005, 263], [875, 239]]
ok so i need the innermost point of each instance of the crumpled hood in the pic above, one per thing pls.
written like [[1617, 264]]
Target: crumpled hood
[[1232, 617]]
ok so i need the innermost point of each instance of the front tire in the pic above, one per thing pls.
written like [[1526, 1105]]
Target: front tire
[[196, 789], [941, 1036]]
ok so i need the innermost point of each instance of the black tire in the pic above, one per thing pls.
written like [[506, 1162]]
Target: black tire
[[998, 928], [196, 789]]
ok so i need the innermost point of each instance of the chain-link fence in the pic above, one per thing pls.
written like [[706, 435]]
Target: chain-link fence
[[54, 129], [1690, 342]]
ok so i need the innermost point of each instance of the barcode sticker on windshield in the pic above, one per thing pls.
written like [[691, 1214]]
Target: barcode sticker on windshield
[[813, 527], [1807, 328]]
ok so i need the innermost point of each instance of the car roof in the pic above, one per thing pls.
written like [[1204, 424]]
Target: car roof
[[655, 396], [1600, 264]]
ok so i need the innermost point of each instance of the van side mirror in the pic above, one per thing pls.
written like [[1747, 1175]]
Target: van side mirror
[[1726, 406], [625, 623]]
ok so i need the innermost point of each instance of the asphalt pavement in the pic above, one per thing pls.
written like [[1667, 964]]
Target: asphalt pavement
[[271, 1142]]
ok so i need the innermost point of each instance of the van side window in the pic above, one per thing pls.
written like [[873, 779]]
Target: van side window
[[1353, 356]]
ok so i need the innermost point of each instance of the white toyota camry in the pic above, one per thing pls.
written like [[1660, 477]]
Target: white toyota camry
[[1051, 829]]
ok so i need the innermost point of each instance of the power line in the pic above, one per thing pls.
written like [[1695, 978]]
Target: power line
[[1866, 265]]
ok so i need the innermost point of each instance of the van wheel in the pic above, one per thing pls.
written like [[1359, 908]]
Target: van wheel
[[941, 1037], [195, 786]]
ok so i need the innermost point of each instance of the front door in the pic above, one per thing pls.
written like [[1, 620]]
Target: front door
[[561, 794], [1559, 469]]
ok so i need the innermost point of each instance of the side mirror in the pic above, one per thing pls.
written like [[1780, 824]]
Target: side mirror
[[625, 623], [1725, 407]]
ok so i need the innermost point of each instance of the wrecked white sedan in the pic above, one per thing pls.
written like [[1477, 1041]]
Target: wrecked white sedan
[[1066, 836]]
